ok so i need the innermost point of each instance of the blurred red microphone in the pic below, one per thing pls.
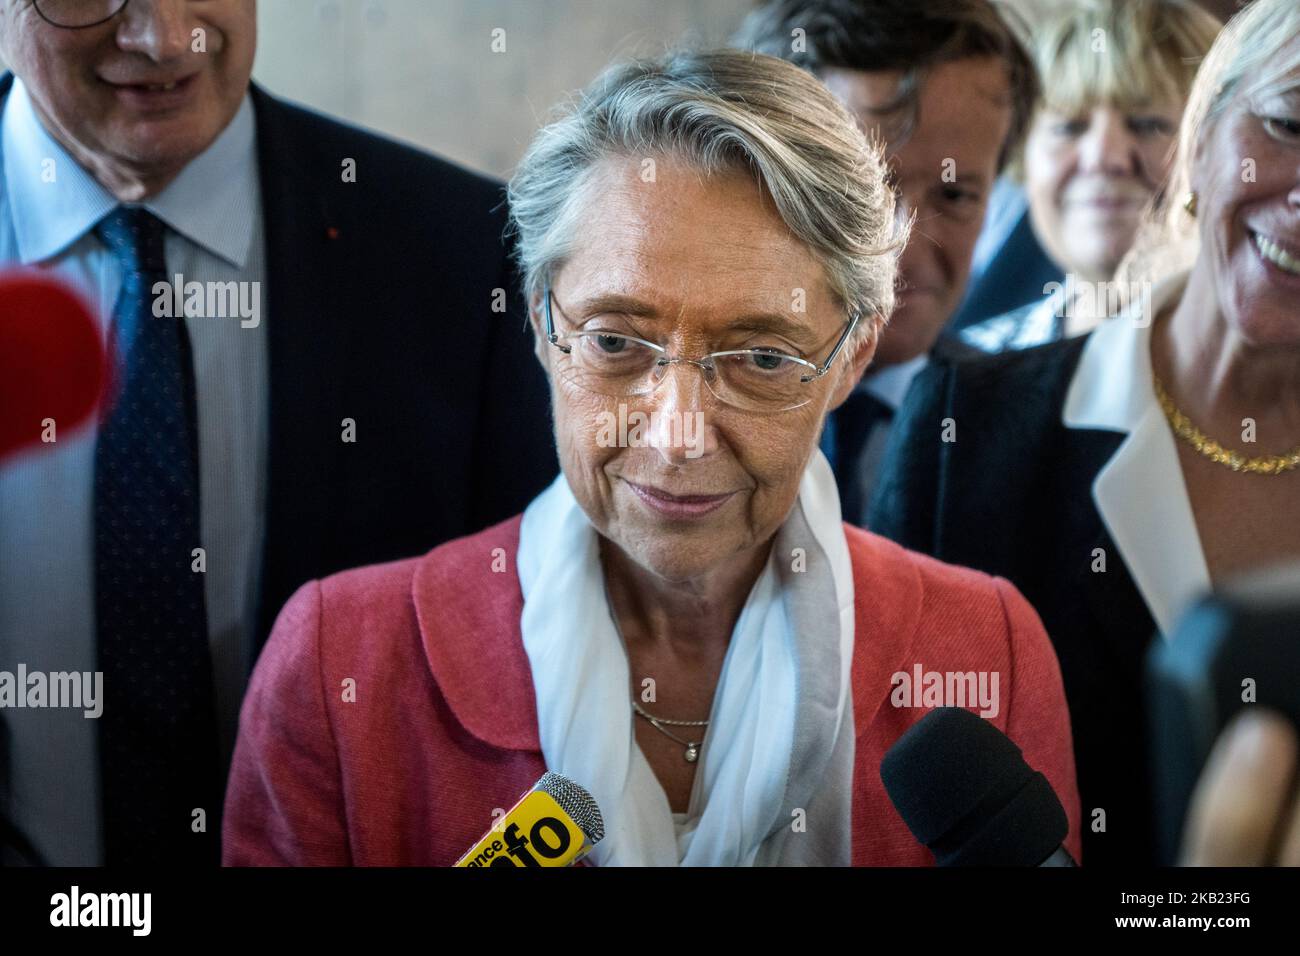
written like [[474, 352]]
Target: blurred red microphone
[[52, 363]]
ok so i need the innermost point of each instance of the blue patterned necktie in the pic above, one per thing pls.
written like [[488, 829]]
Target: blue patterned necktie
[[158, 743]]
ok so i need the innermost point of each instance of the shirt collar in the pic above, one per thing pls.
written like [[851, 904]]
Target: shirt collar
[[212, 202], [1140, 493], [54, 200], [890, 384]]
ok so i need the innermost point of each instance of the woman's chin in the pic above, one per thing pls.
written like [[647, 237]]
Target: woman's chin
[[677, 564]]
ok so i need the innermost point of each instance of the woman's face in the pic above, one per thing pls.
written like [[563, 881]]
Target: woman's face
[[1247, 178], [697, 265], [1089, 177]]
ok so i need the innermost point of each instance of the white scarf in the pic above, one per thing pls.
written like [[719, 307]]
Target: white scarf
[[774, 781]]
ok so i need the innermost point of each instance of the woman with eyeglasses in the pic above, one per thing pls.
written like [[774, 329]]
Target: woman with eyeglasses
[[681, 623]]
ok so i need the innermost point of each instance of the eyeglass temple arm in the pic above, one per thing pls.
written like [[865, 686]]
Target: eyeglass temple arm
[[853, 322], [551, 336]]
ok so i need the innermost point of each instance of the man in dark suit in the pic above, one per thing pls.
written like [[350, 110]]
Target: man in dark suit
[[372, 394], [948, 89]]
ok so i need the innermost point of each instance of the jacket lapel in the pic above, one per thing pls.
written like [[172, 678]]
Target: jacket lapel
[[1111, 595], [886, 608], [469, 625]]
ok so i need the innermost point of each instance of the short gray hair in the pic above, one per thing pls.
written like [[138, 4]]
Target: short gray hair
[[721, 110]]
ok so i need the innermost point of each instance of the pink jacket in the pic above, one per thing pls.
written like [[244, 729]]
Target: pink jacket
[[441, 727]]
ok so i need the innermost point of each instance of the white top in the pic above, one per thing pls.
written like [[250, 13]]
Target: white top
[[1140, 493]]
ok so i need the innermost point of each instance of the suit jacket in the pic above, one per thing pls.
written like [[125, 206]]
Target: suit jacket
[[1012, 496], [444, 728]]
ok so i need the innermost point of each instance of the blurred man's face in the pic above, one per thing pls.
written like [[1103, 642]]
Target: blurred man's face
[[943, 172], [135, 98]]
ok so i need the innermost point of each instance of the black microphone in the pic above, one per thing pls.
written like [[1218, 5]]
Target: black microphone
[[964, 790]]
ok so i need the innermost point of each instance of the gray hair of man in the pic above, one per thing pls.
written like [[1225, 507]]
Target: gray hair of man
[[721, 110]]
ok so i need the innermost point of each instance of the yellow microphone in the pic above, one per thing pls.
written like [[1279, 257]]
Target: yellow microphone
[[556, 823]]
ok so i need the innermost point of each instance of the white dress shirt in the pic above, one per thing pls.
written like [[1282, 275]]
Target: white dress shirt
[[1140, 493], [47, 594]]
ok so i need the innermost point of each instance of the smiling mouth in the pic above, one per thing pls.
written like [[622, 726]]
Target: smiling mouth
[[165, 87], [1276, 254]]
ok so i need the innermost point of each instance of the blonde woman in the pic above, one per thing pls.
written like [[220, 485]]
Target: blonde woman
[[1115, 79], [1117, 476]]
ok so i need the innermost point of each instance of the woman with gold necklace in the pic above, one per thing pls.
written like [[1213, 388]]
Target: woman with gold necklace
[[1116, 477]]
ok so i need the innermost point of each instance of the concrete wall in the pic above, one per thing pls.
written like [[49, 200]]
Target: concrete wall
[[425, 70]]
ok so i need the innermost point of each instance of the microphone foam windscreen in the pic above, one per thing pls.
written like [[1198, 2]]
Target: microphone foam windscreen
[[964, 790]]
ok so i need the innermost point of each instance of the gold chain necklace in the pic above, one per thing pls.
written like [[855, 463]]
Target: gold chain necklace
[[1211, 449]]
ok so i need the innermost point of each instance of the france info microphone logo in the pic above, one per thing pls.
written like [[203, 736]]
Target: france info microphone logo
[[556, 823]]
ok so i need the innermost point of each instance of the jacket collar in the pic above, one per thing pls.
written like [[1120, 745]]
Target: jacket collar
[[469, 614], [1140, 493], [1111, 388], [468, 603], [887, 593]]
